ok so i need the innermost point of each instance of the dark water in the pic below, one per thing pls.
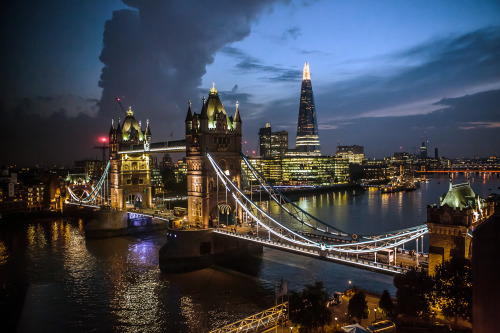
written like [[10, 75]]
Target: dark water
[[53, 279]]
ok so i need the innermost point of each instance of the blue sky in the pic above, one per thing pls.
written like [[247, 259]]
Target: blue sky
[[384, 73]]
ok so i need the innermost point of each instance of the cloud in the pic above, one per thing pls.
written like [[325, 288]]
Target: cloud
[[451, 66], [450, 129], [272, 73], [47, 105], [292, 33], [327, 127], [47, 139], [155, 53]]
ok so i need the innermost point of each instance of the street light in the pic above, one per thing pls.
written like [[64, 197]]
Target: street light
[[291, 328], [375, 313]]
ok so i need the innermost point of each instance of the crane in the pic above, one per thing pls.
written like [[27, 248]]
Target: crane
[[104, 147], [117, 99]]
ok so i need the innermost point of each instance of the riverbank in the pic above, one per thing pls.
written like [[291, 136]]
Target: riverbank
[[305, 191]]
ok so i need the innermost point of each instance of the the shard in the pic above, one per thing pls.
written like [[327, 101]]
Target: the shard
[[307, 142]]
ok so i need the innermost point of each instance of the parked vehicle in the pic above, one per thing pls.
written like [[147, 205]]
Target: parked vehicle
[[384, 326], [386, 256]]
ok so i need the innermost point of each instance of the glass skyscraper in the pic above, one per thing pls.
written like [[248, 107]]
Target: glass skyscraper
[[307, 142]]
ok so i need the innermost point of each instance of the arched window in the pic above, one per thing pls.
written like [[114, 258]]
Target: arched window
[[222, 164]]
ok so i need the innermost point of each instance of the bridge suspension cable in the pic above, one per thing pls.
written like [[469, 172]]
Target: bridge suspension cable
[[354, 246], [98, 192], [304, 217], [298, 213]]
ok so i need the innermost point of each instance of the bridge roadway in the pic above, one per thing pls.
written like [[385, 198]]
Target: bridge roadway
[[365, 261]]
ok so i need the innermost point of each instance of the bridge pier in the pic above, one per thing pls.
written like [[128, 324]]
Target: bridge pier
[[194, 249], [105, 223]]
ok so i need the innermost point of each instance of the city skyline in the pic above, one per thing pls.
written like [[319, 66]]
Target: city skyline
[[385, 75]]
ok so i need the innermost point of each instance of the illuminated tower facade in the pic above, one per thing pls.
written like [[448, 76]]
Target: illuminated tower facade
[[129, 173], [451, 223], [307, 142], [213, 131]]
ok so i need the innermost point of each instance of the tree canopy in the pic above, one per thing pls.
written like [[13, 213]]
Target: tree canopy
[[453, 288], [414, 293], [309, 307], [386, 304], [357, 306]]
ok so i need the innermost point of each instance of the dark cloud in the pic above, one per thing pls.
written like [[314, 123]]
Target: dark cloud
[[450, 129], [249, 64], [436, 69], [292, 33], [156, 53], [384, 112], [55, 138]]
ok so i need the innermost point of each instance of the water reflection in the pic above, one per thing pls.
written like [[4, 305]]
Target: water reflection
[[114, 284], [4, 253]]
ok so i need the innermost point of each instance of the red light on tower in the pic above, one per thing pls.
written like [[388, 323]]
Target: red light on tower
[[103, 140]]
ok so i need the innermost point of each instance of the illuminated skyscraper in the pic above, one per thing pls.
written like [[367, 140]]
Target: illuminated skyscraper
[[307, 142]]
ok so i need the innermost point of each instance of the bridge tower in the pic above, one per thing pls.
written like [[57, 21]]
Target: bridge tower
[[451, 223], [129, 173], [212, 130]]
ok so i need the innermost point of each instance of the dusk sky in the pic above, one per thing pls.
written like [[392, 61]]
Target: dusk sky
[[384, 73]]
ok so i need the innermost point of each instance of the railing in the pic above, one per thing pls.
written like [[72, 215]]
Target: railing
[[256, 322], [156, 147], [316, 253]]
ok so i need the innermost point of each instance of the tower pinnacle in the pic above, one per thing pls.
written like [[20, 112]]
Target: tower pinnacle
[[306, 74]]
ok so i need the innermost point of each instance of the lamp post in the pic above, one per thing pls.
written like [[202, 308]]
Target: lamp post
[[375, 313]]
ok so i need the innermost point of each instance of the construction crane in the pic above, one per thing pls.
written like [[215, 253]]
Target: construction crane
[[117, 99], [103, 147]]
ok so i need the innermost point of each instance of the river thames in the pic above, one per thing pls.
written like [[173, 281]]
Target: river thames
[[53, 279]]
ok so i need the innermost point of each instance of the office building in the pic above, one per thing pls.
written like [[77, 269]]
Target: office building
[[271, 143], [354, 154], [307, 141]]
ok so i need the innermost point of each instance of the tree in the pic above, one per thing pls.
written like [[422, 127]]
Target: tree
[[357, 306], [414, 293], [453, 288], [309, 308], [385, 304], [170, 182]]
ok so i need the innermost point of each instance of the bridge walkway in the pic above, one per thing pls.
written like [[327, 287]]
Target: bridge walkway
[[365, 261], [258, 322]]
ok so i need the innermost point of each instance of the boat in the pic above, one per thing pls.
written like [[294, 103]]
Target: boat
[[410, 188]]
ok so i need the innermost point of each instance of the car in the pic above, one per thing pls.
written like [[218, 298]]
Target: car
[[251, 233], [222, 226]]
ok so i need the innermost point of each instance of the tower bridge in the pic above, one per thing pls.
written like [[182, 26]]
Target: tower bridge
[[219, 212]]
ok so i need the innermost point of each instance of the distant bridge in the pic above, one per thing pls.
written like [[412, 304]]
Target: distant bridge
[[460, 171]]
